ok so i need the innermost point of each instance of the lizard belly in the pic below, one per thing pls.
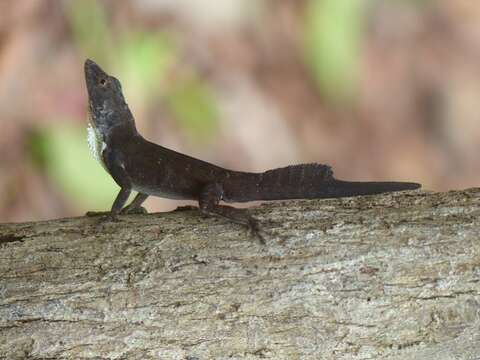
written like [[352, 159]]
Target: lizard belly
[[150, 190]]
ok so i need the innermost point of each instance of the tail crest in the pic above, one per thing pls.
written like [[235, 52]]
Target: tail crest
[[311, 181]]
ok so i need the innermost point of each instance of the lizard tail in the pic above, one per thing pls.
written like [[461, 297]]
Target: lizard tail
[[309, 181]]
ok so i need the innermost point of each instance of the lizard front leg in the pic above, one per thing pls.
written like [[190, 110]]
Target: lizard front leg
[[120, 200], [116, 169], [208, 201], [135, 207]]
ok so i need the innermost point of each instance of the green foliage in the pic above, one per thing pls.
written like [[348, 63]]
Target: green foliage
[[144, 60], [63, 153], [89, 29], [333, 31], [193, 105]]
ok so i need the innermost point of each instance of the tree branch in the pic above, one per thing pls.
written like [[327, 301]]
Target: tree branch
[[395, 276]]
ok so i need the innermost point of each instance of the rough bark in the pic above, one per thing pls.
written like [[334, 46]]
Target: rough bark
[[380, 277]]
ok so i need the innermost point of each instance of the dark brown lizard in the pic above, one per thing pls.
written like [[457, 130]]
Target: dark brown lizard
[[150, 169]]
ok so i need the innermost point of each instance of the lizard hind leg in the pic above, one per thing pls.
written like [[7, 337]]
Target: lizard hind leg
[[208, 201]]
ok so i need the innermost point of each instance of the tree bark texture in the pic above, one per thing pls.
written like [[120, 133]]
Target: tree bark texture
[[394, 276]]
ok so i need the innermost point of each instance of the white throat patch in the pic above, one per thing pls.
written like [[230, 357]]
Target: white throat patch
[[95, 143]]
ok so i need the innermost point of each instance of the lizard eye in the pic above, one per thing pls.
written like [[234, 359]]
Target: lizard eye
[[103, 82]]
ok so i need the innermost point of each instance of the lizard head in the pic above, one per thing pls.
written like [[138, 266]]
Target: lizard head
[[107, 106]]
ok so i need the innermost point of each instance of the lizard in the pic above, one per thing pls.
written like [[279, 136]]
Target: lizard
[[137, 164]]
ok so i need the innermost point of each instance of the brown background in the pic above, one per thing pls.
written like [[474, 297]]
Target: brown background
[[412, 114]]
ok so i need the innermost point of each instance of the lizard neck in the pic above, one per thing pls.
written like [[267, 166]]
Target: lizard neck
[[114, 136]]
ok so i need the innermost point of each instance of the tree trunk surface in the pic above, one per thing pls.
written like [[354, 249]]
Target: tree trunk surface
[[393, 276]]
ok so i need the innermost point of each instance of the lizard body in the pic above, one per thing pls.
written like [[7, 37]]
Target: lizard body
[[150, 169]]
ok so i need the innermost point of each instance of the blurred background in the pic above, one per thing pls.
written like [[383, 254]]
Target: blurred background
[[380, 90]]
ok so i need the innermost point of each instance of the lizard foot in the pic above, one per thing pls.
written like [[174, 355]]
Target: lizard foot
[[136, 210]]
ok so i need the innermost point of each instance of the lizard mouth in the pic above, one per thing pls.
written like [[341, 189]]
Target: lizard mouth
[[92, 70]]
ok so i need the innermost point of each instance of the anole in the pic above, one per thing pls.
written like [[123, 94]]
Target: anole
[[150, 169]]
